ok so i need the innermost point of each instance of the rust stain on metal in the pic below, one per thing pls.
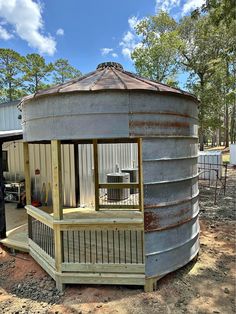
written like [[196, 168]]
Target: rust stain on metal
[[152, 220], [109, 75], [170, 124]]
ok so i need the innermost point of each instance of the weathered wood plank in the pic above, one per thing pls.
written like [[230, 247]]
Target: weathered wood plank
[[103, 278], [118, 223], [56, 179], [58, 247], [104, 268], [43, 263], [42, 253], [39, 215], [27, 173]]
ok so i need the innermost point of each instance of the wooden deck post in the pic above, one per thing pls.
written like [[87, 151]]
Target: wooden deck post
[[56, 179], [96, 174], [27, 173], [57, 207]]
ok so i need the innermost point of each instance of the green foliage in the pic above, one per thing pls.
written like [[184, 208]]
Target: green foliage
[[22, 75], [220, 11], [63, 71], [209, 56], [202, 45], [156, 56], [36, 72], [10, 74]]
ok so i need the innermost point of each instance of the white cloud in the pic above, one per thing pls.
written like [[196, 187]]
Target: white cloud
[[130, 40], [4, 34], [60, 32], [127, 52], [166, 5], [26, 18], [106, 51], [191, 5], [114, 55], [133, 21]]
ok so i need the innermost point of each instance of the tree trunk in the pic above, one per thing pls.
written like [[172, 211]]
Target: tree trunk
[[226, 125], [201, 139], [218, 137]]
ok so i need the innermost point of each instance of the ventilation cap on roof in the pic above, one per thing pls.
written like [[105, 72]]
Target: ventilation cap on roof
[[110, 65]]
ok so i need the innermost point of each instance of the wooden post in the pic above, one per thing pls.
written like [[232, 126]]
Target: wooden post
[[56, 179], [96, 174], [150, 285], [140, 173], [2, 202], [76, 164], [57, 206], [27, 173]]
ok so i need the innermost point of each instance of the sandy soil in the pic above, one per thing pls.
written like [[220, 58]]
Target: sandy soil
[[206, 285]]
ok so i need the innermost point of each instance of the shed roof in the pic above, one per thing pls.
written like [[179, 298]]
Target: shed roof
[[109, 76]]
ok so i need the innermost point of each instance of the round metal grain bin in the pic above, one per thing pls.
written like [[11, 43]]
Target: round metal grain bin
[[113, 103]]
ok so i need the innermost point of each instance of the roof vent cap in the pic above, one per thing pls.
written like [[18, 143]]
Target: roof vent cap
[[110, 65]]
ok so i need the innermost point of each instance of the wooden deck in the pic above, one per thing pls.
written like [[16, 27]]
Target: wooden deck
[[88, 246], [17, 238], [17, 235], [17, 228]]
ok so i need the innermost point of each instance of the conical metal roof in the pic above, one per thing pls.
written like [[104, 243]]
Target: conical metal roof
[[109, 76]]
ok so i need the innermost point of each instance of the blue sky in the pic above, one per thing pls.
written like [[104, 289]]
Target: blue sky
[[84, 32]]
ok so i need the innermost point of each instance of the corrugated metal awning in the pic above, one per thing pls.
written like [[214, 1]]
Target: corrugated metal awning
[[11, 135]]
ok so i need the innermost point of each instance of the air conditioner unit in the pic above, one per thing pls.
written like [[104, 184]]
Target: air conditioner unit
[[133, 172], [118, 194]]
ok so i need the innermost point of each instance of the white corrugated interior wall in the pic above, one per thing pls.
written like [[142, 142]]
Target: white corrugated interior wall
[[40, 158]]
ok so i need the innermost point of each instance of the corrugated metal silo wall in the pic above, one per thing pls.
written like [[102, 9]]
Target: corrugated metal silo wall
[[9, 116], [169, 128], [40, 158]]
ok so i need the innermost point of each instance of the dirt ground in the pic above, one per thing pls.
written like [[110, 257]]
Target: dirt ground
[[206, 285]]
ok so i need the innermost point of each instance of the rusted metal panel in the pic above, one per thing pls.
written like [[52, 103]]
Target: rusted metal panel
[[110, 77], [170, 203], [169, 128], [158, 218]]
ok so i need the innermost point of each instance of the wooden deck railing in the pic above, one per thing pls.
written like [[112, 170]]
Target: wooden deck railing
[[88, 247], [40, 232], [103, 246]]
